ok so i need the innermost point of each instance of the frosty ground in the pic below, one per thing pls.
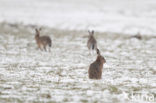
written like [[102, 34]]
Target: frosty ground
[[33, 76], [28, 75]]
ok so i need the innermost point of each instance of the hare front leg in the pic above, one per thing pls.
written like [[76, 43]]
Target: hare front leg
[[45, 47], [39, 46]]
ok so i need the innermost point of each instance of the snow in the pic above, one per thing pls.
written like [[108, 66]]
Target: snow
[[120, 16], [29, 75]]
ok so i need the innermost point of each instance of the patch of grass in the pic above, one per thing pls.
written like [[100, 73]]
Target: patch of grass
[[84, 101], [113, 89], [135, 89], [65, 100]]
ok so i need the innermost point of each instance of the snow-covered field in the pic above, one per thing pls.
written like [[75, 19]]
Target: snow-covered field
[[128, 16], [28, 75], [33, 76]]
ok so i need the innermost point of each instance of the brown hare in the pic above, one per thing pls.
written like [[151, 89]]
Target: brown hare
[[91, 44], [137, 36], [95, 69], [42, 41]]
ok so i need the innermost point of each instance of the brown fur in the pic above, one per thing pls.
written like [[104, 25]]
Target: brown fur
[[137, 36], [95, 69], [42, 41], [92, 43]]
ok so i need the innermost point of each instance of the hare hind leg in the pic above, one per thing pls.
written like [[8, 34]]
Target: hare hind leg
[[44, 46], [94, 49]]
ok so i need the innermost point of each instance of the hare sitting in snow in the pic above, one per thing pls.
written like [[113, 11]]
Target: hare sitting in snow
[[95, 69], [137, 36], [91, 44], [42, 41]]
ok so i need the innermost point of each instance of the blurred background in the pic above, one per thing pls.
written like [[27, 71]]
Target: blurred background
[[120, 16]]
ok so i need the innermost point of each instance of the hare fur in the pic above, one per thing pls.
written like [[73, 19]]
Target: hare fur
[[95, 69], [92, 43], [42, 41]]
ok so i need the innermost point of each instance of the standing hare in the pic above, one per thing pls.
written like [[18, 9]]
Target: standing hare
[[91, 44], [42, 41], [95, 69]]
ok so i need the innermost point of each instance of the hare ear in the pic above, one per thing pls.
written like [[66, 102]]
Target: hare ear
[[40, 29], [37, 31], [92, 31], [98, 51], [89, 32]]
